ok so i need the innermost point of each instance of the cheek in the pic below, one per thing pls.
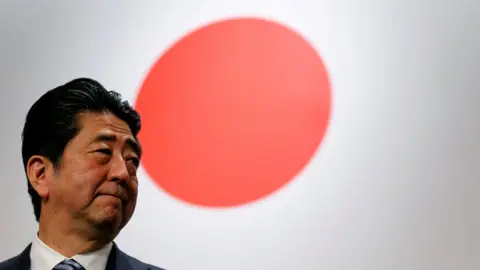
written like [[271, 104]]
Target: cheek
[[76, 182], [84, 182], [94, 174], [133, 190]]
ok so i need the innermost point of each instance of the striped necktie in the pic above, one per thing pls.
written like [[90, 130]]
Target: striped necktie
[[68, 264]]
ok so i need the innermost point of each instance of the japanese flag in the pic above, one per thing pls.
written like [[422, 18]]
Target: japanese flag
[[276, 134]]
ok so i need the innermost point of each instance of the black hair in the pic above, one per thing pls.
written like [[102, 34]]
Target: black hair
[[52, 121]]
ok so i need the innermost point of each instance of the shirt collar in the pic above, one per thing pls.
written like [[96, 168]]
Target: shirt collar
[[43, 257]]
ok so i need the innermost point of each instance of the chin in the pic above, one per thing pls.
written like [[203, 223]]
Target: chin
[[110, 217], [107, 221]]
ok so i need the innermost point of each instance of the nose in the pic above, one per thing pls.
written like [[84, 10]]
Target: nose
[[119, 170]]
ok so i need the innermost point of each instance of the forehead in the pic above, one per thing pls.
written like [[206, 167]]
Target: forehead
[[93, 124]]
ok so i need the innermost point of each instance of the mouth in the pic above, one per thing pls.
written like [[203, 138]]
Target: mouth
[[122, 198]]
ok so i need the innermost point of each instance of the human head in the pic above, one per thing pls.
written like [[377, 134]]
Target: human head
[[60, 119]]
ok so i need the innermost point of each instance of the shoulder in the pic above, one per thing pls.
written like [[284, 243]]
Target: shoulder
[[18, 262], [136, 263], [9, 263]]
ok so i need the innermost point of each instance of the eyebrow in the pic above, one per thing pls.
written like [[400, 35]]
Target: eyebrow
[[111, 138]]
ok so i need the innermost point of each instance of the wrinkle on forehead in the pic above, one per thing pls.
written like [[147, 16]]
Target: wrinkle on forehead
[[103, 120], [92, 124]]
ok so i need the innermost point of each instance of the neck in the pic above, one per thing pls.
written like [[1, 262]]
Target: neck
[[69, 240]]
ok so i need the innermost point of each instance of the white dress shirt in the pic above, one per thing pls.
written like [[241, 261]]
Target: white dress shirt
[[43, 257]]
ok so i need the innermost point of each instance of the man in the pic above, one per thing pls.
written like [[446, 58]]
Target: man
[[81, 154]]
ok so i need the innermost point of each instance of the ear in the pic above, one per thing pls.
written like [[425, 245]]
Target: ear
[[38, 170]]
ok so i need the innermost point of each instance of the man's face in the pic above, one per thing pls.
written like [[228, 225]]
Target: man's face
[[96, 183]]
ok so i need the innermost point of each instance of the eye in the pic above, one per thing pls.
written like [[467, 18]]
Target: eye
[[135, 161], [105, 151]]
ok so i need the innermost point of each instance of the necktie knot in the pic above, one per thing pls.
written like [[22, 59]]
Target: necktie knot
[[68, 264]]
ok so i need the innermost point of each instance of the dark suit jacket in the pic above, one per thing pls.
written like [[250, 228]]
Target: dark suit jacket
[[117, 260]]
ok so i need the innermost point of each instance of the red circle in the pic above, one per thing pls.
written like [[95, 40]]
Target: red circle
[[232, 112]]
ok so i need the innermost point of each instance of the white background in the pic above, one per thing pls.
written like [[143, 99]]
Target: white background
[[394, 185]]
